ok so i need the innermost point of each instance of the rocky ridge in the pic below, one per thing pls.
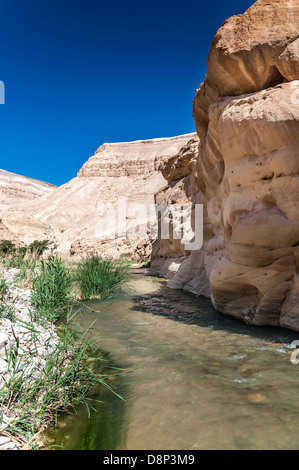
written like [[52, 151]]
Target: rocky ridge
[[75, 215]]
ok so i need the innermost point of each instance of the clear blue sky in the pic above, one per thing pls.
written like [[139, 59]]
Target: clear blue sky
[[79, 73]]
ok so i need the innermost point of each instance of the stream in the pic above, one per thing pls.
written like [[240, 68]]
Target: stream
[[193, 379]]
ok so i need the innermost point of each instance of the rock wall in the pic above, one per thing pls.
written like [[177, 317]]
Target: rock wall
[[247, 170]]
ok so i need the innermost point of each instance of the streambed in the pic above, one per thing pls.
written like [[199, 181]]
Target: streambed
[[194, 379]]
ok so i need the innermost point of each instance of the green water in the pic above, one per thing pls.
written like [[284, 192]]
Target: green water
[[194, 378]]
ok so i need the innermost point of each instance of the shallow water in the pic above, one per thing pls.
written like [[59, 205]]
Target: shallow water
[[194, 379]]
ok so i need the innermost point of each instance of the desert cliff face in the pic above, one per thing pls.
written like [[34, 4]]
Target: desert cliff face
[[247, 170], [82, 215]]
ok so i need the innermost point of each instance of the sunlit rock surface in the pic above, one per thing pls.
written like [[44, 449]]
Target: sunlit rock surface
[[247, 167]]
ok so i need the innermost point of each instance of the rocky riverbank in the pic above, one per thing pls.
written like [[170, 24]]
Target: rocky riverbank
[[24, 346]]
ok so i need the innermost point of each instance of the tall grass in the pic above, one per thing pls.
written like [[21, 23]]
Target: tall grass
[[56, 384], [66, 373], [51, 289], [99, 278]]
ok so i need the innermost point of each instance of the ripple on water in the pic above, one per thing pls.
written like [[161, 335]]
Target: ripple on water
[[195, 379]]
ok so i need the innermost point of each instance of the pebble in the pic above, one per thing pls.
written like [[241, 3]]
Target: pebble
[[3, 367], [257, 398]]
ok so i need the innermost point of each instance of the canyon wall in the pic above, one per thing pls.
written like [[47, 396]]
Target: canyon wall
[[245, 172]]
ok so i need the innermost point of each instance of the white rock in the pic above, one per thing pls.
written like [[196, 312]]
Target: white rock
[[4, 440], [4, 339], [9, 446], [3, 367]]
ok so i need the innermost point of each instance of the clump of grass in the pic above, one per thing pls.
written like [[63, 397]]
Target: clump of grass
[[51, 289], [16, 257], [4, 288], [99, 278], [37, 391], [56, 384], [27, 268]]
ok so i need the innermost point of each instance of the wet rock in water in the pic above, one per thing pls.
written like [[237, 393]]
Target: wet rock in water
[[257, 398]]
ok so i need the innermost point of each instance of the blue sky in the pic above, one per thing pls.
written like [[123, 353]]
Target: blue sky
[[79, 73]]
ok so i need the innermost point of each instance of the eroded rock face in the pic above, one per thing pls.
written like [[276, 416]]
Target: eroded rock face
[[253, 197], [247, 117], [250, 52], [130, 159], [183, 268]]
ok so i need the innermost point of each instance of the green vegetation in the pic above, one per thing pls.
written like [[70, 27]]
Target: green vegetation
[[56, 384], [99, 278], [52, 281], [51, 289], [6, 247], [24, 258], [17, 257], [62, 377]]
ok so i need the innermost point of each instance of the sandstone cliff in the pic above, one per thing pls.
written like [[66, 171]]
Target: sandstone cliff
[[247, 171], [83, 215]]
